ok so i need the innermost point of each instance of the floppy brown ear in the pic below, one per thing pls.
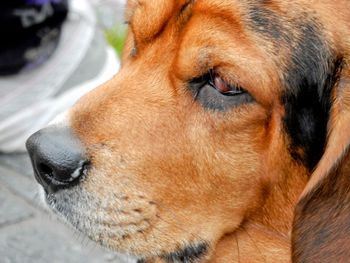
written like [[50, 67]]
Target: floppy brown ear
[[321, 228]]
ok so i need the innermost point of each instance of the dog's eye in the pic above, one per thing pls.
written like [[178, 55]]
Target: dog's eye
[[221, 86], [214, 93]]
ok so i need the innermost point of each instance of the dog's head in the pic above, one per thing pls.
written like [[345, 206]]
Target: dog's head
[[218, 116]]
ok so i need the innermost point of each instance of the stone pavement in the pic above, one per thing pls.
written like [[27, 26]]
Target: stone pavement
[[28, 233]]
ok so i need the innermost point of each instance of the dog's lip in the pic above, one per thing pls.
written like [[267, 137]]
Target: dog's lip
[[192, 250]]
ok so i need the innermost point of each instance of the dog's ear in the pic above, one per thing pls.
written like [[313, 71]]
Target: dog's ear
[[321, 228]]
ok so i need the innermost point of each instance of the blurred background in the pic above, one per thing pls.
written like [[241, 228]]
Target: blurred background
[[51, 53]]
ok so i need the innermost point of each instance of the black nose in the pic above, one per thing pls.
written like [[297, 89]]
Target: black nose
[[57, 157]]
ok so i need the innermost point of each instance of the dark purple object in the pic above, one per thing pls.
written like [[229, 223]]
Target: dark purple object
[[41, 2], [30, 31]]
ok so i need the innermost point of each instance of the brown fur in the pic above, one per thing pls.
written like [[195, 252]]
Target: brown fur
[[189, 175]]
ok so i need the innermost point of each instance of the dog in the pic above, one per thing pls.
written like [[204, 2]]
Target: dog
[[223, 138]]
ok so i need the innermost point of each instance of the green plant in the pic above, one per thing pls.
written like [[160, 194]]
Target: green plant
[[116, 37]]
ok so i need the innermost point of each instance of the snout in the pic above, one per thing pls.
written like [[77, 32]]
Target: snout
[[58, 158]]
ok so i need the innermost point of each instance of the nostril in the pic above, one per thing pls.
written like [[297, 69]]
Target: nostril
[[45, 170], [61, 175]]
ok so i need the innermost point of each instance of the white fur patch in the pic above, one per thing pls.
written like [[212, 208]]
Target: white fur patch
[[60, 120]]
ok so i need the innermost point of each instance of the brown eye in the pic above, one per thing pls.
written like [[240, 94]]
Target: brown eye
[[221, 86], [214, 93]]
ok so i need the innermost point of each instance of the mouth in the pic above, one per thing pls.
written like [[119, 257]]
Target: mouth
[[120, 231], [191, 253], [113, 221]]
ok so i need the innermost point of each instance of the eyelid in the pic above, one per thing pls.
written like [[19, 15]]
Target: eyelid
[[210, 97], [229, 81], [209, 79], [223, 86]]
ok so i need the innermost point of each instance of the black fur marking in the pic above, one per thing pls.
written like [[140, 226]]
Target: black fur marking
[[189, 254], [268, 23], [309, 79]]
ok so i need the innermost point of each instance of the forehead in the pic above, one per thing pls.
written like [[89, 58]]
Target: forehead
[[148, 17], [209, 31]]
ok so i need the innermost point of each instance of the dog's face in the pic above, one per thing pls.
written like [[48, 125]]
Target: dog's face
[[217, 104]]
